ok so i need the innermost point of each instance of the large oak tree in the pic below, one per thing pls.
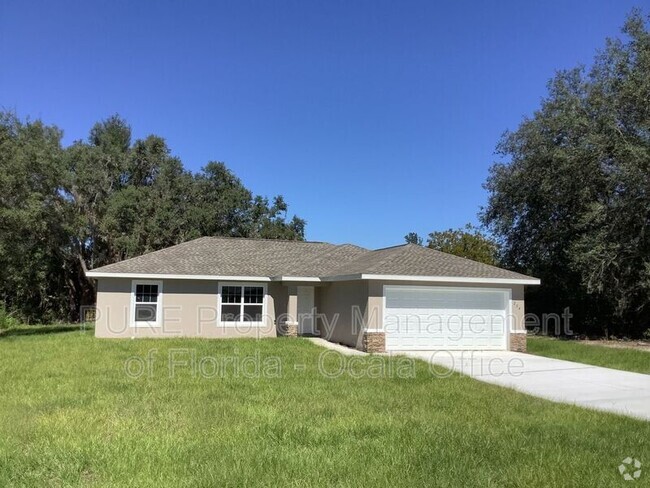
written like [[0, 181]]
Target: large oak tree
[[570, 200]]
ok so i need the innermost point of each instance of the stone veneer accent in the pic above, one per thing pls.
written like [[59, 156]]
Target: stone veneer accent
[[373, 342], [288, 329], [518, 342]]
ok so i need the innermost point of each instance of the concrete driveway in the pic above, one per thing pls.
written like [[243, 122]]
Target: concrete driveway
[[562, 381]]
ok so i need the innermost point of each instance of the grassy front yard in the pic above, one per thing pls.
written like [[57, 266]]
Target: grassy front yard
[[71, 415], [608, 357]]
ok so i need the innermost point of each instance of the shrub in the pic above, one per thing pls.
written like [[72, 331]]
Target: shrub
[[7, 320]]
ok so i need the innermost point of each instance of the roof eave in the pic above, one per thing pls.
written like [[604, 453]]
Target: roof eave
[[308, 279], [435, 279], [315, 279], [454, 279], [146, 276]]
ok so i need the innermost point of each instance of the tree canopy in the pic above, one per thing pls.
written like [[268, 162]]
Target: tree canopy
[[413, 238], [66, 209], [570, 200], [468, 242]]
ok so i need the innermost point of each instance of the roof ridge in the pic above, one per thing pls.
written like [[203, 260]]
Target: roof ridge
[[267, 239], [389, 256], [391, 247], [353, 245], [322, 257], [381, 261], [339, 246]]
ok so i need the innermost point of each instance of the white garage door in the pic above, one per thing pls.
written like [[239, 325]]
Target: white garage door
[[430, 318]]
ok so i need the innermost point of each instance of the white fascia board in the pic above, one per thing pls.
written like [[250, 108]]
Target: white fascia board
[[434, 279], [453, 279], [150, 276], [351, 277], [310, 279]]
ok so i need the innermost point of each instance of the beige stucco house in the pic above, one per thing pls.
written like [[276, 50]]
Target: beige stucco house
[[400, 298]]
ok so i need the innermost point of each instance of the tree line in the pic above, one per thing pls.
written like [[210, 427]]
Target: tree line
[[64, 210]]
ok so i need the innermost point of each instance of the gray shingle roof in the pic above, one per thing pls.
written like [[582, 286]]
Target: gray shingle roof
[[414, 260], [223, 256]]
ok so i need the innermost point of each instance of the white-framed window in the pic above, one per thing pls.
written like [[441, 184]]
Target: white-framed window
[[242, 303], [146, 303]]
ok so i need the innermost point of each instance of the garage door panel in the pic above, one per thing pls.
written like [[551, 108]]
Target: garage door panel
[[421, 318], [420, 298]]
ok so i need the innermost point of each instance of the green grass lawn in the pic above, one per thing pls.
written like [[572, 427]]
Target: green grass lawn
[[71, 416], [609, 357]]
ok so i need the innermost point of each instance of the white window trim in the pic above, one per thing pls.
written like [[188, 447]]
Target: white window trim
[[159, 304], [241, 323]]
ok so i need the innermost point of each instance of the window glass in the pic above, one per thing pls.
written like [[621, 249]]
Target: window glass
[[146, 293], [252, 313], [231, 294], [253, 294], [145, 313], [230, 313]]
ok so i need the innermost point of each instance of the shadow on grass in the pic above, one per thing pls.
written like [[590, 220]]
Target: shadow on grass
[[26, 330]]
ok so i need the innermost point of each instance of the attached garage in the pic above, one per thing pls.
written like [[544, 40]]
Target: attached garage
[[446, 318]]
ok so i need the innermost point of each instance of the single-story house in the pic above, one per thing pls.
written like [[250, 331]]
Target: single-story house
[[405, 297]]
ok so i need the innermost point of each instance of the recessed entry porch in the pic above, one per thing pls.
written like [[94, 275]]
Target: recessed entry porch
[[301, 311]]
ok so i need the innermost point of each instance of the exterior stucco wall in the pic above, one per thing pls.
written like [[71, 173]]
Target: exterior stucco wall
[[518, 308], [278, 299], [113, 307], [189, 309], [342, 307], [375, 316]]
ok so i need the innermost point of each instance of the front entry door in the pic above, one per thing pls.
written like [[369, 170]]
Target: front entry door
[[306, 310]]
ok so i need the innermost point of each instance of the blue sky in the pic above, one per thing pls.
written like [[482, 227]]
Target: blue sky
[[372, 118]]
